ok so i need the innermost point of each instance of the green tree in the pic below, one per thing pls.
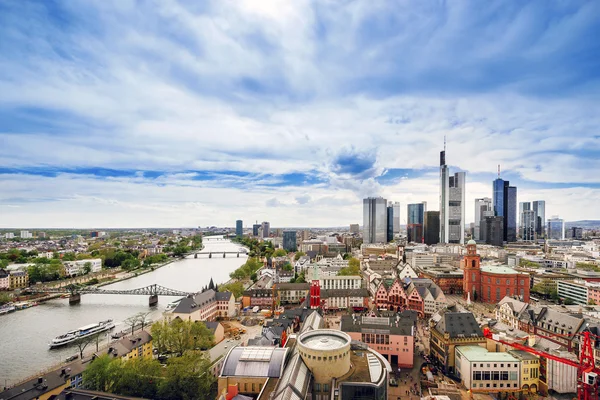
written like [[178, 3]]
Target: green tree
[[568, 301], [279, 253], [96, 375], [237, 288], [298, 255], [179, 336], [353, 268], [87, 267], [287, 267], [187, 377], [130, 264], [5, 298], [301, 278], [136, 377]]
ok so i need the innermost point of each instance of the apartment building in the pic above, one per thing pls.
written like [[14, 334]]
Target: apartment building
[[74, 268], [481, 370], [391, 337]]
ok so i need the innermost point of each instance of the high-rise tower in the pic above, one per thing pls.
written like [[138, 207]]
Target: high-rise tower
[[375, 220], [483, 209], [452, 203], [505, 206]]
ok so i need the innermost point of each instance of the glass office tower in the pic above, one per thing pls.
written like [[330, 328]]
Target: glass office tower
[[375, 220]]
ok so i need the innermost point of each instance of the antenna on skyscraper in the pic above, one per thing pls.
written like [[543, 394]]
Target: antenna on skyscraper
[[444, 142], [498, 170]]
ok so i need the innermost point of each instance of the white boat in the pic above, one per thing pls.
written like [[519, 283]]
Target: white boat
[[80, 333], [7, 309]]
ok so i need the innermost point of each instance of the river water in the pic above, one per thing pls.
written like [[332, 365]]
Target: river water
[[24, 335]]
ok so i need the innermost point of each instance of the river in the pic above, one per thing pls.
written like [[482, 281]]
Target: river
[[24, 335]]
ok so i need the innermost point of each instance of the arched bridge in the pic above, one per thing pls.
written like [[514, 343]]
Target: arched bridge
[[76, 291], [210, 254]]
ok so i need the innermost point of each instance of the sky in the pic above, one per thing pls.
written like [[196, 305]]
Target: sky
[[166, 113]]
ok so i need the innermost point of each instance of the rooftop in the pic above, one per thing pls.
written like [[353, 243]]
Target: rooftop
[[324, 339], [365, 367], [254, 361], [500, 269], [478, 353]]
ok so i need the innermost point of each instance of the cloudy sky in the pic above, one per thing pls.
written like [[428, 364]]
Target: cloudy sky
[[162, 113]]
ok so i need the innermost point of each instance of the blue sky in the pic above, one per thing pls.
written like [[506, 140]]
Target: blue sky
[[162, 113]]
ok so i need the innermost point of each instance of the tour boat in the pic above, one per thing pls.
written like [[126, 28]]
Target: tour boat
[[80, 333]]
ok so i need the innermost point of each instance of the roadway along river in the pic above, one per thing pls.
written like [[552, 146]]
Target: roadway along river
[[24, 335]]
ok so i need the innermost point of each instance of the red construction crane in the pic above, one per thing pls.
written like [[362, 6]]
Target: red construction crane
[[587, 372]]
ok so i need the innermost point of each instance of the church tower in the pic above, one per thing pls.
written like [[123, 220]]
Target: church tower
[[472, 272]]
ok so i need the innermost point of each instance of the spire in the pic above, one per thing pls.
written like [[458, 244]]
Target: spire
[[498, 171], [211, 284], [444, 143]]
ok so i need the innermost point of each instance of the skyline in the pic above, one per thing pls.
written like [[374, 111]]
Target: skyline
[[116, 116]]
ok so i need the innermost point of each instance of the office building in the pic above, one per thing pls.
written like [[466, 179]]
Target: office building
[[452, 204], [289, 241], [354, 229], [492, 230], [390, 223], [266, 229], [527, 225], [396, 217], [539, 208], [505, 206], [431, 227], [556, 228], [415, 221], [511, 215], [239, 228], [483, 371], [374, 220], [575, 232], [26, 235], [483, 208], [523, 206], [255, 229]]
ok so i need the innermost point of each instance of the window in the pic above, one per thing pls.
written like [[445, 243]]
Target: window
[[522, 282], [489, 280], [317, 387], [326, 387], [253, 388], [508, 282], [497, 281], [473, 276]]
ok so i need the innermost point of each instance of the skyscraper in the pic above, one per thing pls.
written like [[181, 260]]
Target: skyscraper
[[492, 229], [289, 241], [443, 196], [431, 227], [539, 208], [556, 228], [505, 206], [527, 224], [374, 220], [255, 229], [354, 229], [266, 229], [452, 204], [483, 208], [511, 215], [390, 222], [415, 220], [396, 217], [239, 228]]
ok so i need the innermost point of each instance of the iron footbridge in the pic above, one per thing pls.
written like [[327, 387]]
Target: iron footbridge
[[76, 291]]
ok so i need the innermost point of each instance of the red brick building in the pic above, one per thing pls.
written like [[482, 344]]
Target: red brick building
[[491, 283], [448, 279]]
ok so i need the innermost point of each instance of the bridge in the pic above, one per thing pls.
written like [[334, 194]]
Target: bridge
[[210, 253], [76, 291]]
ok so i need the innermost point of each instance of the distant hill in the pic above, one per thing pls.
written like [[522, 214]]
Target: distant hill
[[586, 223]]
